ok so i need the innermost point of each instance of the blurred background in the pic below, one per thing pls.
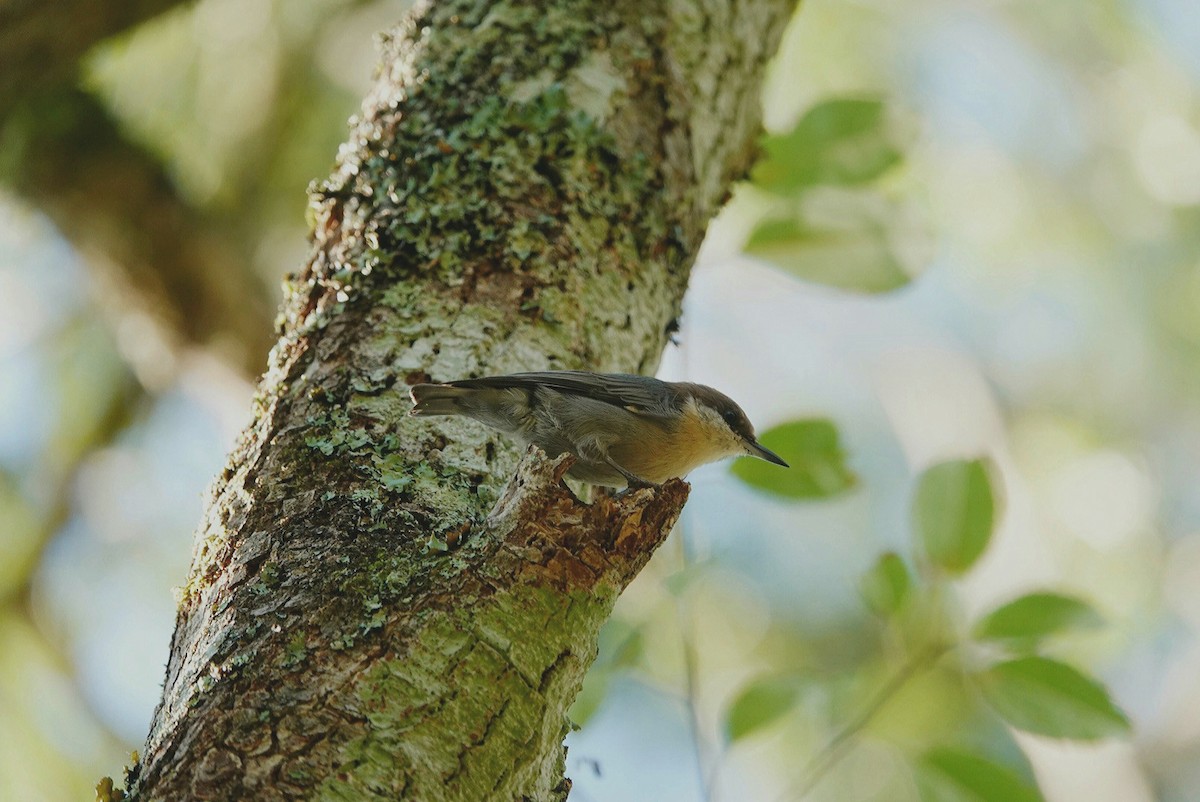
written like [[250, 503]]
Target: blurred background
[[973, 233]]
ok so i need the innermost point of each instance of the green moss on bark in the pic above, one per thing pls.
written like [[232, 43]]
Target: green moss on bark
[[480, 673]]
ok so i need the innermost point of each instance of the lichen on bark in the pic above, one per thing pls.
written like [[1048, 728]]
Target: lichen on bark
[[375, 610]]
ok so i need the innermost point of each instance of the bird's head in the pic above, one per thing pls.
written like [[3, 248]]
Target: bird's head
[[722, 422]]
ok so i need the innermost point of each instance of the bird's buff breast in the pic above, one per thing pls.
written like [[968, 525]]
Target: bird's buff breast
[[668, 455]]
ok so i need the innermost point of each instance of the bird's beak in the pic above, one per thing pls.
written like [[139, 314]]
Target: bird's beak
[[762, 452]]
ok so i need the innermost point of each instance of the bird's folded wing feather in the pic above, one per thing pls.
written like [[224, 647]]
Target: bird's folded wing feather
[[619, 389]]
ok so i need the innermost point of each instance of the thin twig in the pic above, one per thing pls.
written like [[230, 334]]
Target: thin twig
[[705, 768], [835, 749]]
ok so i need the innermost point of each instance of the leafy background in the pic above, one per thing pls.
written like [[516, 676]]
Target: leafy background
[[959, 293]]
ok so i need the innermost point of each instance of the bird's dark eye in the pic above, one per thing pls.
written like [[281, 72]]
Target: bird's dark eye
[[730, 417]]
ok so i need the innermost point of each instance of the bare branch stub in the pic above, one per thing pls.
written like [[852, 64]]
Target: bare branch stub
[[568, 544]]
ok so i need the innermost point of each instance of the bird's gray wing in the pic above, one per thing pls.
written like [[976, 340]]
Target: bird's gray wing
[[637, 394]]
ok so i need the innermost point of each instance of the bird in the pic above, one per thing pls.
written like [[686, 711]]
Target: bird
[[624, 430]]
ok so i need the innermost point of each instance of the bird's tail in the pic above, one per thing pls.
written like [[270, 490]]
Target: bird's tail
[[437, 399]]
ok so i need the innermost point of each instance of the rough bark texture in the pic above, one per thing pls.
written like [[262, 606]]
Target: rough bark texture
[[526, 189], [62, 152]]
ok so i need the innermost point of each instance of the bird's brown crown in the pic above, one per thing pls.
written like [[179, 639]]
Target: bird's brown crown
[[720, 403]]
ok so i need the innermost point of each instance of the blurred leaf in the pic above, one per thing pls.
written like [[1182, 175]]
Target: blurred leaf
[[856, 241], [955, 512], [758, 705], [951, 775], [621, 646], [818, 468], [1047, 697], [629, 652], [886, 585], [838, 141], [589, 698], [52, 741], [1035, 616], [96, 389], [681, 579], [21, 542]]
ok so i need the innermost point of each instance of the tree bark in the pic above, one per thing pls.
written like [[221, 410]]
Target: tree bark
[[526, 188]]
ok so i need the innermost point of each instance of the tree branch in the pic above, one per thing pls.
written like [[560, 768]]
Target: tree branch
[[64, 154], [41, 43], [524, 189]]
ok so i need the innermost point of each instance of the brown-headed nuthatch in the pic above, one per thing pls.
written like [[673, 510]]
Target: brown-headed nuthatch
[[622, 429]]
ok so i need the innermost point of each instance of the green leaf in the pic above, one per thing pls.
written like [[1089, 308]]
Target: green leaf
[[886, 585], [1047, 697], [955, 511], [855, 241], [621, 645], [818, 467], [839, 141], [951, 775], [759, 705], [1033, 617], [679, 581]]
